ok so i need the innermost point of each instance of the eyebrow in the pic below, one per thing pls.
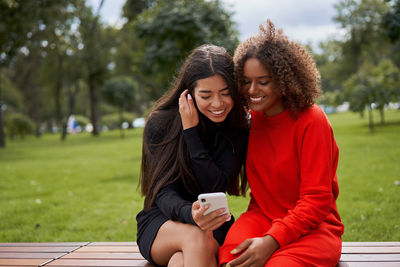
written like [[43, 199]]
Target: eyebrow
[[261, 77], [209, 91]]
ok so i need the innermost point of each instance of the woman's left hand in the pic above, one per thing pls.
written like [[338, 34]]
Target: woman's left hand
[[188, 111], [254, 252]]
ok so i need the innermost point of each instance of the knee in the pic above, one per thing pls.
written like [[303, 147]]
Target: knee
[[176, 260], [200, 240]]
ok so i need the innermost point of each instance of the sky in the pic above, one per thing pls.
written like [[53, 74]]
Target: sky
[[306, 21]]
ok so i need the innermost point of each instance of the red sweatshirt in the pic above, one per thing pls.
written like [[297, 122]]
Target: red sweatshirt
[[291, 169]]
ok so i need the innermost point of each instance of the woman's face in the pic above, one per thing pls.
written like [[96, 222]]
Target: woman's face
[[213, 98], [260, 89]]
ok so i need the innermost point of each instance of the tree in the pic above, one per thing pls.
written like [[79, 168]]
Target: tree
[[331, 64], [360, 94], [132, 8], [388, 79], [95, 54], [365, 40], [391, 20], [373, 87], [171, 29], [20, 21], [127, 51], [120, 92], [391, 25]]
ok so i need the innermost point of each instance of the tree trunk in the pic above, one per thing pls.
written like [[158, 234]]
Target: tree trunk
[[2, 136], [57, 96], [382, 113], [371, 119], [71, 94], [93, 106], [64, 130], [121, 130]]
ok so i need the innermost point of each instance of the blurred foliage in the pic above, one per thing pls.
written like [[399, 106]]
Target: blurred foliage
[[18, 124], [57, 58], [114, 121], [171, 29], [391, 21], [120, 92], [373, 87]]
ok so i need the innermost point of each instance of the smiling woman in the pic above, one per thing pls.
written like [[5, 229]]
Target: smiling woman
[[213, 98], [195, 147]]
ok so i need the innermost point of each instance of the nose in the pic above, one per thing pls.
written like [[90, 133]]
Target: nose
[[216, 102], [252, 88]]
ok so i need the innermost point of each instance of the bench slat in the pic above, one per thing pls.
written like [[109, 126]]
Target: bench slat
[[23, 262], [371, 257], [103, 255], [108, 249], [371, 250], [37, 249], [99, 263], [29, 255], [44, 244], [113, 244], [119, 254], [368, 264], [371, 244]]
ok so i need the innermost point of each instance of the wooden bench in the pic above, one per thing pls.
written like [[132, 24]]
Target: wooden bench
[[113, 254]]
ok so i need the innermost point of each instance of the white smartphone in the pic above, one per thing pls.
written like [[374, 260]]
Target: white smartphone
[[215, 200]]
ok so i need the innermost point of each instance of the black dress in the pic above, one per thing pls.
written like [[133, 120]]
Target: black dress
[[216, 159]]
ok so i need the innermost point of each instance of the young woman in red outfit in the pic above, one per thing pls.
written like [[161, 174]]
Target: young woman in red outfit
[[292, 156]]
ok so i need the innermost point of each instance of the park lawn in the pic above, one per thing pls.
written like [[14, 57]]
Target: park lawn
[[369, 176], [85, 188], [82, 189]]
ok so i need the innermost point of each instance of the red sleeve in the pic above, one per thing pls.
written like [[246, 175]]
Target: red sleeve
[[318, 156]]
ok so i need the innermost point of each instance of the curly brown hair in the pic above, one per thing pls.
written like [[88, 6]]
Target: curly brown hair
[[290, 64]]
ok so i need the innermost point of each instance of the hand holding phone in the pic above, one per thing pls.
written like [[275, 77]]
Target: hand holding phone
[[215, 200]]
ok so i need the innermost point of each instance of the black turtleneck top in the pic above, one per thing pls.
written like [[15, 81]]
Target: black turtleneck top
[[216, 156]]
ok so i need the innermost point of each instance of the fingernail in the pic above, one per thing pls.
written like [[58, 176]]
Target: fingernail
[[233, 251], [189, 96], [227, 265]]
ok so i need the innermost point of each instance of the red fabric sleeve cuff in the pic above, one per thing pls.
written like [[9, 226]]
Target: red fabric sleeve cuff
[[280, 233]]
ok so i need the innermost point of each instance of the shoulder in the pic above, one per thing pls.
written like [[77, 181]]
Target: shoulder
[[313, 114], [314, 119]]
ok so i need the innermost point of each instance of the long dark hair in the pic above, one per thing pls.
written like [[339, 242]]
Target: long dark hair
[[165, 158]]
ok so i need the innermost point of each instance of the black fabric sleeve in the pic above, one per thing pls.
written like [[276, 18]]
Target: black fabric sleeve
[[215, 174], [173, 205]]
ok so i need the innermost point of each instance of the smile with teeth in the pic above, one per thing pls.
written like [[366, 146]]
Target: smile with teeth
[[256, 99], [217, 112]]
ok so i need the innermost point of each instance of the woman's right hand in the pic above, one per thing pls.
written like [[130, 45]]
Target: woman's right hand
[[188, 111], [211, 221]]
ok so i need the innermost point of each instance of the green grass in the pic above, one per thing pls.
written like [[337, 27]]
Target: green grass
[[85, 188], [369, 177]]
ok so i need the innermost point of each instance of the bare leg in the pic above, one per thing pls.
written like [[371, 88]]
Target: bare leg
[[198, 248], [176, 260]]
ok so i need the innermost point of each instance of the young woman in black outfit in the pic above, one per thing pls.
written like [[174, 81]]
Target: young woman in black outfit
[[194, 142]]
